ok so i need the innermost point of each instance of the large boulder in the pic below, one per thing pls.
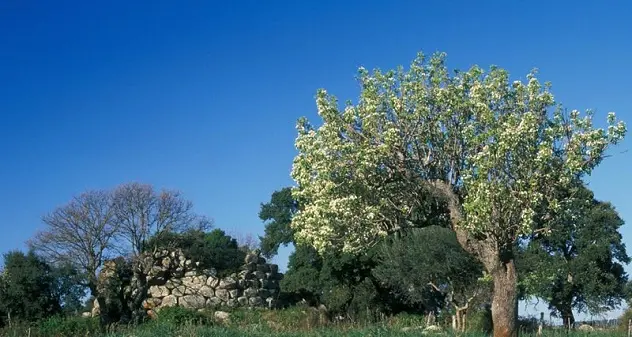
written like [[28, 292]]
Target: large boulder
[[192, 301], [158, 291], [169, 301]]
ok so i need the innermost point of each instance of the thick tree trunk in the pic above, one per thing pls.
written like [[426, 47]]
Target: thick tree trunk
[[568, 319], [498, 261], [505, 300]]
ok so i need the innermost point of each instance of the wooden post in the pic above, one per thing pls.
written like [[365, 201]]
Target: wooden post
[[540, 326], [630, 328]]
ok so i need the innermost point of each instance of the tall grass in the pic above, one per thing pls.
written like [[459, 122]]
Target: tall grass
[[295, 322]]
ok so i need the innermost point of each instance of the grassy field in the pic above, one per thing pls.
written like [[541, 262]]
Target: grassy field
[[283, 323]]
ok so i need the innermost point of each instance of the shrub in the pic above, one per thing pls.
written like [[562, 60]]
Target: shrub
[[480, 320], [68, 327], [624, 320]]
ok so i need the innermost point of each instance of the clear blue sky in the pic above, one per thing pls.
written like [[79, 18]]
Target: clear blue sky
[[203, 97]]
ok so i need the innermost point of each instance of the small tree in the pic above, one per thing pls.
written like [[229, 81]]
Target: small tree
[[580, 264], [142, 212], [29, 289], [494, 150], [80, 234], [428, 264]]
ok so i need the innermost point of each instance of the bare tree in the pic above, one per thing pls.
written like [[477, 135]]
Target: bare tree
[[142, 213], [80, 233]]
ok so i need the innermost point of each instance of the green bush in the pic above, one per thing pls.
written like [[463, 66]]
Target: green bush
[[180, 316], [68, 327], [480, 320], [624, 319]]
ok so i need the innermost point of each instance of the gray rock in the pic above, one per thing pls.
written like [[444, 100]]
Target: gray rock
[[274, 268], [156, 280], [231, 303], [192, 301], [179, 290], [191, 273], [260, 275], [212, 281], [271, 302], [263, 293], [250, 266], [267, 284], [214, 302], [243, 301], [255, 301], [222, 294], [585, 327], [432, 329], [172, 283], [261, 260], [234, 293], [251, 258], [221, 316], [166, 262], [250, 292], [158, 291], [151, 303], [169, 301], [228, 283], [206, 291]]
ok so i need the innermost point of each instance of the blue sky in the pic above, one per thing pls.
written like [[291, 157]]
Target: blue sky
[[204, 97]]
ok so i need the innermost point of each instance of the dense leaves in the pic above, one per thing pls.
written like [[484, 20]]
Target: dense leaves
[[277, 214], [423, 262], [496, 150], [28, 288], [214, 249], [580, 264]]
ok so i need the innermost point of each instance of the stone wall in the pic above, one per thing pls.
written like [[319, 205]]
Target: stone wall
[[177, 281]]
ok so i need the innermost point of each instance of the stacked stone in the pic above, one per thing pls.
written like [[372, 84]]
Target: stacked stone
[[260, 281], [176, 281]]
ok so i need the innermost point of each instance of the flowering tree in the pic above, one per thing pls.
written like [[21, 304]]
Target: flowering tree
[[494, 151]]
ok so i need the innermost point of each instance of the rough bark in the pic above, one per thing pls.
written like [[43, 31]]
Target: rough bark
[[505, 300], [498, 260]]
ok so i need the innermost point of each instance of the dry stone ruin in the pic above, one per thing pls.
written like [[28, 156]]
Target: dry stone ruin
[[171, 279]]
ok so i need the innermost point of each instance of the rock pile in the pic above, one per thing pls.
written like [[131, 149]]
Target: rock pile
[[176, 281]]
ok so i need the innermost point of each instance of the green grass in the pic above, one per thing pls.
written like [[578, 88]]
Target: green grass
[[296, 322]]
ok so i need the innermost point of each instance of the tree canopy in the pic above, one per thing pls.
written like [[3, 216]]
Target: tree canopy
[[495, 150], [214, 249], [579, 265], [28, 291]]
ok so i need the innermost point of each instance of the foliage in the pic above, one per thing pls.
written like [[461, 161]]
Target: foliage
[[579, 265], [277, 214], [343, 282], [367, 168], [427, 266], [480, 320], [28, 291], [495, 151], [68, 288], [68, 327], [214, 249]]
